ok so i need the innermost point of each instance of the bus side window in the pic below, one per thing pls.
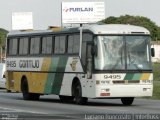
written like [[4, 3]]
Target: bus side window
[[35, 45], [47, 45], [56, 45], [70, 44], [23, 46], [60, 44], [13, 46], [73, 44], [76, 44]]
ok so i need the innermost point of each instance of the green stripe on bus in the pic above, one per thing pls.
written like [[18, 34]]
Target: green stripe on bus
[[129, 76], [51, 76], [137, 76], [59, 76], [133, 76]]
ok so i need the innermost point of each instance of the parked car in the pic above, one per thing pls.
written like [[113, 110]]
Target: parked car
[[2, 75]]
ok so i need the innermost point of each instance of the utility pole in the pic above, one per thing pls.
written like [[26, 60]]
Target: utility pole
[[81, 31]]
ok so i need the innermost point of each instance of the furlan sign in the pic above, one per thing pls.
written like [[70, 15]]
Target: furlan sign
[[82, 12]]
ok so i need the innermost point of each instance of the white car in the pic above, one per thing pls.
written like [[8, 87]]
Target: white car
[[2, 75]]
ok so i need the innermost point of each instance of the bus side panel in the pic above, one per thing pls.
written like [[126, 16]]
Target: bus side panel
[[66, 88], [17, 76], [9, 80], [37, 82], [55, 75], [48, 77], [70, 67]]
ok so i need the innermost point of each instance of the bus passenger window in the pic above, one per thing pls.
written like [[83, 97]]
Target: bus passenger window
[[13, 44], [23, 46], [56, 47], [35, 45], [73, 44], [60, 45], [47, 45], [70, 44], [76, 44]]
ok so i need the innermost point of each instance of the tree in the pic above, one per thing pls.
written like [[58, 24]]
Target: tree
[[3, 35], [136, 20], [158, 37]]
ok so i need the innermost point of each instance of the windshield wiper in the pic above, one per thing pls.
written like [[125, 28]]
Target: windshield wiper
[[138, 68]]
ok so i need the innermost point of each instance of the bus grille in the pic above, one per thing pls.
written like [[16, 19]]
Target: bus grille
[[126, 81]]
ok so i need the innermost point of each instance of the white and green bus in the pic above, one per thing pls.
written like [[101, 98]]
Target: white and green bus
[[111, 61]]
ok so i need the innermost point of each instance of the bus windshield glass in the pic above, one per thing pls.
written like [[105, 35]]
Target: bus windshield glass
[[123, 52]]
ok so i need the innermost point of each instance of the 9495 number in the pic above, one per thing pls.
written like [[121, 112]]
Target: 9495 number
[[112, 77], [11, 64]]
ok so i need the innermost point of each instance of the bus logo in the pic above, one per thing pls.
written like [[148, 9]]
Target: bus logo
[[73, 64]]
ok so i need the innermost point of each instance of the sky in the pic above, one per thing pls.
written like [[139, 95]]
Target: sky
[[48, 12]]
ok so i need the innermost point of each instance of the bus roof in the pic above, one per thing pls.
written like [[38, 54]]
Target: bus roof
[[95, 29], [117, 29], [42, 32]]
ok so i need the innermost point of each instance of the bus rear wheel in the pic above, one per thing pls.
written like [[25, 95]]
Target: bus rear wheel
[[25, 91], [127, 100], [78, 94]]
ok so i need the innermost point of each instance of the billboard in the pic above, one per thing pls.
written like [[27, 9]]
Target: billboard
[[22, 20], [82, 12]]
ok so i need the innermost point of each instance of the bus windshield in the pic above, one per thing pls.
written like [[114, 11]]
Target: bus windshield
[[117, 52]]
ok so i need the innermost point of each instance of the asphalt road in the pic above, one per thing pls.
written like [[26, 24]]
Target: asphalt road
[[12, 106]]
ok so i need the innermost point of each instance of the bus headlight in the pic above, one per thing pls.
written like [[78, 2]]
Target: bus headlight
[[104, 90], [146, 89]]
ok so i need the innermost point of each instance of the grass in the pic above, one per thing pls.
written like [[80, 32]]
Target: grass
[[156, 71], [156, 90], [156, 81]]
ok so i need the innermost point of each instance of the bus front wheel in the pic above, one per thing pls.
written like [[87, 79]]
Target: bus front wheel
[[78, 94], [127, 100], [66, 98]]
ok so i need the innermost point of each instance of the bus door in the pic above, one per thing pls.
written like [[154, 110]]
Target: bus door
[[89, 81], [89, 61]]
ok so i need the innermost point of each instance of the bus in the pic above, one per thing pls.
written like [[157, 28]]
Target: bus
[[110, 61]]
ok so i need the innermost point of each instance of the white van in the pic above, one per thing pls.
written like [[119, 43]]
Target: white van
[[2, 75]]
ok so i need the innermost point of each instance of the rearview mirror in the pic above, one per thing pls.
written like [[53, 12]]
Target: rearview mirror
[[152, 52]]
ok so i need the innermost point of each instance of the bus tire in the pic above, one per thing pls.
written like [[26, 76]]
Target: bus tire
[[78, 94], [127, 100], [8, 91], [66, 98], [25, 89], [34, 96]]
